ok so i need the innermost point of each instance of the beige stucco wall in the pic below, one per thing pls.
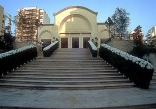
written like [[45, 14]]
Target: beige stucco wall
[[47, 31], [76, 14], [74, 21], [102, 33]]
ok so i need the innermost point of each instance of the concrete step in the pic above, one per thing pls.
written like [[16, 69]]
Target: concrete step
[[80, 77], [67, 60], [63, 75], [153, 82], [41, 82], [66, 63], [67, 87], [67, 67], [66, 73]]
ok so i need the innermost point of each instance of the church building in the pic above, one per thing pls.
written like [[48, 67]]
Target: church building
[[73, 27]]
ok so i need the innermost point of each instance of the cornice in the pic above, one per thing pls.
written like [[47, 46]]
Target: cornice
[[70, 7]]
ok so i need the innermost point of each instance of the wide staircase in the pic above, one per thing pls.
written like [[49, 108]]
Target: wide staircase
[[66, 69]]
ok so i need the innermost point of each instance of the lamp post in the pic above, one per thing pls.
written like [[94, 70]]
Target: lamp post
[[109, 23]]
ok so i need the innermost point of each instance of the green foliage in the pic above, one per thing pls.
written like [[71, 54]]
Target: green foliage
[[7, 43], [140, 76], [51, 48], [2, 44], [138, 51], [92, 51], [121, 20], [17, 59], [141, 50], [138, 36]]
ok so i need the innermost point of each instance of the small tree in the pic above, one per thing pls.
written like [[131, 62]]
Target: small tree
[[2, 45], [110, 25], [121, 20], [139, 49], [8, 41], [138, 36]]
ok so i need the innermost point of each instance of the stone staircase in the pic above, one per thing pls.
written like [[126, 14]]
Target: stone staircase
[[66, 69], [153, 81]]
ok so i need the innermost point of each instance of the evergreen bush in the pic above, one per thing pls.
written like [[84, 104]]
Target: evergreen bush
[[15, 58], [48, 51], [92, 48], [139, 71]]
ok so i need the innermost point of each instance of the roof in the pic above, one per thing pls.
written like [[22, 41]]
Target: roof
[[70, 7]]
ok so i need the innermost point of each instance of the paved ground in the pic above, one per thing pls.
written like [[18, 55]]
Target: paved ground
[[77, 98]]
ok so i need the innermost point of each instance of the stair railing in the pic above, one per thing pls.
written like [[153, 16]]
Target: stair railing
[[92, 48]]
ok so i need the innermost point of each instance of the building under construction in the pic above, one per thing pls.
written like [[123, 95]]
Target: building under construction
[[28, 20], [2, 22]]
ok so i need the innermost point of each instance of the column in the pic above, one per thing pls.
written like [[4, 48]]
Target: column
[[99, 42], [80, 41], [69, 41], [59, 42]]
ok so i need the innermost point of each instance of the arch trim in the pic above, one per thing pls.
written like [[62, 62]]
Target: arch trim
[[70, 7], [44, 32]]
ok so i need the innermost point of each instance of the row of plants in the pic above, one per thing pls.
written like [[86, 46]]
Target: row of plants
[[48, 51], [92, 48], [16, 58], [137, 70]]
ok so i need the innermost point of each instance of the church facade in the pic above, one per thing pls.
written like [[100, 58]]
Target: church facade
[[73, 27]]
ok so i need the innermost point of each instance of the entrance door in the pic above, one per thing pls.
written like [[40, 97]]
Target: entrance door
[[64, 42], [85, 42], [75, 42]]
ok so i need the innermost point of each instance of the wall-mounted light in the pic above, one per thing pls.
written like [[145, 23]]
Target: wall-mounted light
[[96, 38]]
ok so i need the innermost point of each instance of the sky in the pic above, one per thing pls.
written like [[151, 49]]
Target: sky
[[142, 12]]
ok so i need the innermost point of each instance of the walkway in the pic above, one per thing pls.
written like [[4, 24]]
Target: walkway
[[71, 78]]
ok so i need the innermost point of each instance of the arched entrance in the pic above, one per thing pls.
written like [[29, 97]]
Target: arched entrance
[[45, 36], [77, 31]]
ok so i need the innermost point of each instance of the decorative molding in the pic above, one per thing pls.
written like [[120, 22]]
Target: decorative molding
[[44, 32], [70, 7]]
